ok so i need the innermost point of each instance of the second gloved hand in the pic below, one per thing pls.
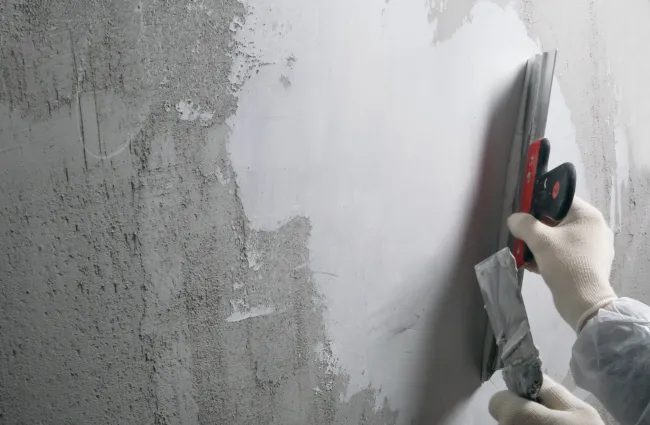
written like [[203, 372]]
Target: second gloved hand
[[574, 258], [557, 406]]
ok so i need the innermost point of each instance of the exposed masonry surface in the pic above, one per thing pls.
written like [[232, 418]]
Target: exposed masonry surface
[[124, 242]]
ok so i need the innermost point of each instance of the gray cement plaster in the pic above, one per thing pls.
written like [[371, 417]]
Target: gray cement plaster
[[139, 281], [124, 239]]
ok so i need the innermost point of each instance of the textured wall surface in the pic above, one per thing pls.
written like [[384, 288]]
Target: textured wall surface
[[215, 211]]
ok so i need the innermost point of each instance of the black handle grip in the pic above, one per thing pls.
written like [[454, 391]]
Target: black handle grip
[[553, 195]]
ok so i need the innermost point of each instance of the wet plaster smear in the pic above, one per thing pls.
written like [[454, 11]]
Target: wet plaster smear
[[265, 212]]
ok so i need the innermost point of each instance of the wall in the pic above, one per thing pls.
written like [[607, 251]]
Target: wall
[[267, 212]]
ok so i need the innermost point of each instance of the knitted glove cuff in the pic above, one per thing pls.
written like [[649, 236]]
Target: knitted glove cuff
[[592, 310]]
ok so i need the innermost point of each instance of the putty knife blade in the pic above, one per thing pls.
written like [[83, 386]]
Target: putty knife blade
[[499, 283]]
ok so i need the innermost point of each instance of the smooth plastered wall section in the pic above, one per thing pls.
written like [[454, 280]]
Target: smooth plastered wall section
[[380, 140]]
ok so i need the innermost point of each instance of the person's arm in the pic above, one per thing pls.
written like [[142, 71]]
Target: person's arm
[[611, 352], [611, 360]]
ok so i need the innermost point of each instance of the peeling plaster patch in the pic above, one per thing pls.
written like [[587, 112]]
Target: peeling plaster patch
[[191, 112], [447, 16], [250, 312], [271, 44]]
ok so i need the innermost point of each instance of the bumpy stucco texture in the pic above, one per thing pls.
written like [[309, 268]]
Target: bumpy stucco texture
[[124, 242], [133, 288]]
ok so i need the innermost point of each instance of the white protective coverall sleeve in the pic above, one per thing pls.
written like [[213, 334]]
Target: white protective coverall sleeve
[[611, 360]]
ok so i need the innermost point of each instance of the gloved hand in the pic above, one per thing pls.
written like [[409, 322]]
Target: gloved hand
[[557, 406], [574, 258]]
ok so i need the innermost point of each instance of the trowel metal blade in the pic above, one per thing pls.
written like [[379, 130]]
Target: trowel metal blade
[[530, 126], [499, 283]]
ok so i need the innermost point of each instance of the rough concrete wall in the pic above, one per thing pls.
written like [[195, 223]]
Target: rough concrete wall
[[133, 288], [124, 239]]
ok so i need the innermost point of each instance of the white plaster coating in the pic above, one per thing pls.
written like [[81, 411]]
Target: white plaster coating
[[355, 142]]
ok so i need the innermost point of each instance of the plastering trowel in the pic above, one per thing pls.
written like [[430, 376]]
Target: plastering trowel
[[547, 195]]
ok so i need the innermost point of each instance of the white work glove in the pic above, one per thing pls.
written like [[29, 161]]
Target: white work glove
[[557, 406], [574, 258]]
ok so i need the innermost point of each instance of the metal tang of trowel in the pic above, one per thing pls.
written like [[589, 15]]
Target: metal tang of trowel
[[548, 196]]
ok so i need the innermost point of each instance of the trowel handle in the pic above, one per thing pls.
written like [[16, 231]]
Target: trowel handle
[[547, 195]]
